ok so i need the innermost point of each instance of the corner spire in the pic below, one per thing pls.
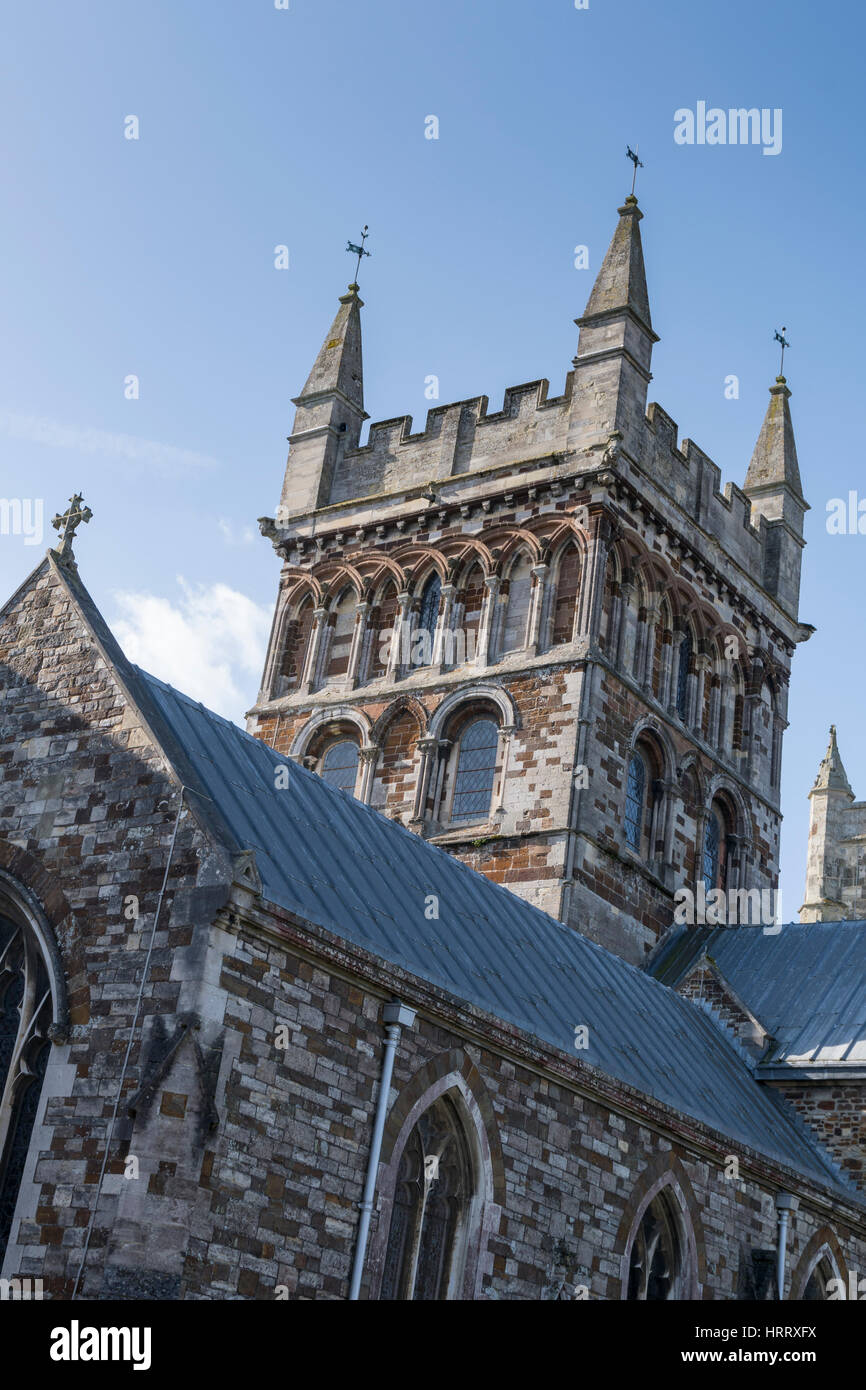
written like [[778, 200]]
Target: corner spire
[[774, 461], [621, 282], [338, 369], [831, 773]]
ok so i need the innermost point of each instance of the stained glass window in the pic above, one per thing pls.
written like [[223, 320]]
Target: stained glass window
[[476, 767], [431, 1201], [634, 800], [428, 617], [712, 843]]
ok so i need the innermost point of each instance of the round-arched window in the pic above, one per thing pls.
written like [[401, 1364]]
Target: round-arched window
[[476, 768], [340, 765]]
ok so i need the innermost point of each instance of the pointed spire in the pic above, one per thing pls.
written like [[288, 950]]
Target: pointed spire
[[338, 369], [831, 773], [621, 282], [774, 462]]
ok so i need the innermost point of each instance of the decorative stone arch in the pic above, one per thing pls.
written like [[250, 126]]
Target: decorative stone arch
[[469, 694], [376, 569], [822, 1246], [665, 1175], [463, 554], [721, 786], [453, 1075], [691, 765], [400, 705], [503, 541], [318, 722], [650, 728], [418, 562], [335, 579]]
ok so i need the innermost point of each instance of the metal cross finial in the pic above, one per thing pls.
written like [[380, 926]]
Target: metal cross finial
[[638, 164], [69, 522], [359, 252], [780, 338]]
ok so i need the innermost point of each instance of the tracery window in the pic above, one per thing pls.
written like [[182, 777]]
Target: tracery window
[[635, 797], [432, 1199], [340, 765], [476, 768], [25, 1017], [822, 1282], [656, 1259]]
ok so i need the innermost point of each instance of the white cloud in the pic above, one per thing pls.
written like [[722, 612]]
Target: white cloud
[[210, 643], [145, 453]]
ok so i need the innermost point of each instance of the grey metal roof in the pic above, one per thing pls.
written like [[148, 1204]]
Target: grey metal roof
[[806, 985], [345, 867]]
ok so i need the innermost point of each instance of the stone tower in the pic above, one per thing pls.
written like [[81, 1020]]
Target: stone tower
[[543, 637], [836, 862]]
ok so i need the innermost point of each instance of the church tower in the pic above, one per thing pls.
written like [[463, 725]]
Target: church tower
[[543, 637]]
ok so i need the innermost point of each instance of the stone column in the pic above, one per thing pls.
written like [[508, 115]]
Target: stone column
[[358, 634], [649, 650], [401, 637], [443, 624], [624, 627], [369, 757], [310, 677], [427, 748], [505, 736], [486, 623], [536, 609]]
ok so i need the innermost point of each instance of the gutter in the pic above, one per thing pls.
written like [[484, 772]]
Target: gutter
[[397, 1016]]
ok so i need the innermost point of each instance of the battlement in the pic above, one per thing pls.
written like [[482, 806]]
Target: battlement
[[457, 438]]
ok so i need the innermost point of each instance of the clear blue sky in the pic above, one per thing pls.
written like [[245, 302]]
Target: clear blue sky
[[260, 127]]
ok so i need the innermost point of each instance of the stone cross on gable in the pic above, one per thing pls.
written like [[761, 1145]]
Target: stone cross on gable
[[69, 522]]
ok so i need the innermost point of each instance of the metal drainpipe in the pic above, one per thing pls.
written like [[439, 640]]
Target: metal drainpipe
[[397, 1016], [785, 1204]]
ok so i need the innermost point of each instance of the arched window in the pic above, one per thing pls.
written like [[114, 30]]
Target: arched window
[[712, 852], [517, 605], [340, 765], [822, 1282], [383, 619], [567, 584], [684, 663], [297, 642], [25, 1016], [476, 767], [720, 826], [424, 636], [435, 1186], [635, 801], [342, 628], [655, 1270]]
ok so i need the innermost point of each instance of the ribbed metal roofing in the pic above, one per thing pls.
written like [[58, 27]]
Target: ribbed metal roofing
[[345, 867], [806, 984]]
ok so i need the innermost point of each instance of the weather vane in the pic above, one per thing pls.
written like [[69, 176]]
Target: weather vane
[[69, 522], [638, 164], [780, 338], [359, 252]]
